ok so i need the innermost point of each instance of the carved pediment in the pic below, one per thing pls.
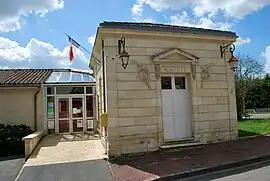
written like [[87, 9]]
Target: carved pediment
[[175, 55]]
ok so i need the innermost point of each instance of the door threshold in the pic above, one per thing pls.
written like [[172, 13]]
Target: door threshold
[[180, 140], [181, 145], [190, 142]]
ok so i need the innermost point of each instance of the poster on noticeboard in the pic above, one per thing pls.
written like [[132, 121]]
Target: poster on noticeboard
[[50, 110]]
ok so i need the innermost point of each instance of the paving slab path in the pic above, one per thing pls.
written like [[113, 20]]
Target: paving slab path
[[79, 157]]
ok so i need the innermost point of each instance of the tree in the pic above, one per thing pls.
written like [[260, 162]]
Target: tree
[[248, 70]]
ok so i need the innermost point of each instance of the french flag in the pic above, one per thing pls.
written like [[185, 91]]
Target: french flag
[[73, 46]]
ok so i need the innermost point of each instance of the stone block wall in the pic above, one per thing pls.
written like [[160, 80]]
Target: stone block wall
[[135, 110]]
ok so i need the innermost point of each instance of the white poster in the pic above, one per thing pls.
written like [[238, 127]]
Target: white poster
[[79, 123], [90, 124], [50, 124]]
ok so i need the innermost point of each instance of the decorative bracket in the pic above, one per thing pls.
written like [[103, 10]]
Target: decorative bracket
[[223, 49]]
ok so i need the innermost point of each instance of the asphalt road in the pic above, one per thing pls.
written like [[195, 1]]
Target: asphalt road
[[10, 167], [93, 170], [254, 172], [260, 116]]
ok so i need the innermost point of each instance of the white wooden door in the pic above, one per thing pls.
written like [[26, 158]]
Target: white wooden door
[[176, 108]]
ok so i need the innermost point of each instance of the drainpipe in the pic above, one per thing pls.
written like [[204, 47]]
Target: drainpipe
[[228, 95], [35, 108], [104, 93]]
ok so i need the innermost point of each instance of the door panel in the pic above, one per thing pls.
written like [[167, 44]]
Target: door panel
[[167, 102], [169, 134], [181, 108], [63, 108], [77, 114], [63, 115], [77, 125], [64, 126]]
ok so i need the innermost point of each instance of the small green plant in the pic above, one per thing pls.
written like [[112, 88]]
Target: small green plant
[[11, 139]]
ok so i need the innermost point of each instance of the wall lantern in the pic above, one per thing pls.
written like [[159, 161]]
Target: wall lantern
[[124, 56], [233, 60]]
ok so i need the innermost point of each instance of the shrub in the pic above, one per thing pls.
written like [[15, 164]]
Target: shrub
[[11, 139]]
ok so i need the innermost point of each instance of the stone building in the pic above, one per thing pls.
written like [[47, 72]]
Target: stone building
[[177, 86]]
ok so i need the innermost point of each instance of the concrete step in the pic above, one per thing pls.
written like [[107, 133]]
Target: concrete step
[[186, 143]]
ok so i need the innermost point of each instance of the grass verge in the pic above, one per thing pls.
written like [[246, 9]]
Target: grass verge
[[253, 127]]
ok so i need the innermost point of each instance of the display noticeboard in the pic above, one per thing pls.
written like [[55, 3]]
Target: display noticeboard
[[50, 124], [50, 110], [79, 123], [90, 124]]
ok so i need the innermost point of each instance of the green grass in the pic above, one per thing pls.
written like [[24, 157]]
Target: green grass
[[253, 127]]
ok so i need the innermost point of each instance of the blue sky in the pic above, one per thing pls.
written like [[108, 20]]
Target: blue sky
[[32, 32]]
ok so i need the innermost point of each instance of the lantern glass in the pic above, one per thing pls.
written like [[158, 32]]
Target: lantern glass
[[125, 59], [233, 63]]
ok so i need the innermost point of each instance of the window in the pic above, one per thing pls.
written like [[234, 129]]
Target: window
[[180, 83], [69, 90], [50, 90], [166, 83], [89, 106], [89, 90]]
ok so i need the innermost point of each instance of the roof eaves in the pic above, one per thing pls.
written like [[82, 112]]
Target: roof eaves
[[164, 27]]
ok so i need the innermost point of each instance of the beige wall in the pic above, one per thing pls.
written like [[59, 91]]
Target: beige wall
[[135, 111], [17, 107]]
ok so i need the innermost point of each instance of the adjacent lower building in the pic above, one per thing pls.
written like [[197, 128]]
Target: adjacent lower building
[[56, 101], [176, 86]]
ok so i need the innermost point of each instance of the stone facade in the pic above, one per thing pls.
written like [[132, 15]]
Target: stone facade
[[134, 105]]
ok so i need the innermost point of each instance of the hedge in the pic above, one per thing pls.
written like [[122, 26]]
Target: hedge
[[11, 139]]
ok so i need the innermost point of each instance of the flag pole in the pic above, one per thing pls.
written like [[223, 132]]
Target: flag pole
[[78, 44], [82, 47]]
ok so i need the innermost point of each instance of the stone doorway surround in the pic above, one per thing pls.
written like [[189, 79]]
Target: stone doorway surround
[[174, 62]]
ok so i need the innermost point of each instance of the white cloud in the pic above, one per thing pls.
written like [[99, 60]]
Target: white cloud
[[38, 54], [266, 55], [91, 39], [11, 11], [137, 8], [242, 41], [204, 22], [143, 20], [237, 9]]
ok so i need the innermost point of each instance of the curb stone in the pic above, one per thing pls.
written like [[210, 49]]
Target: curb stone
[[202, 171]]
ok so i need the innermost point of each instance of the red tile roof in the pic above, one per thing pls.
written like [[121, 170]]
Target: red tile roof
[[23, 77]]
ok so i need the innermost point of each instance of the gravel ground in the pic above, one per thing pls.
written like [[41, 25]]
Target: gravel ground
[[157, 164]]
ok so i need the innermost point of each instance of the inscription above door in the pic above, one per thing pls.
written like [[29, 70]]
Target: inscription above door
[[175, 70]]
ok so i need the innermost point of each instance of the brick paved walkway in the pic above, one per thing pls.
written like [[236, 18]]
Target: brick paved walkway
[[158, 164]]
